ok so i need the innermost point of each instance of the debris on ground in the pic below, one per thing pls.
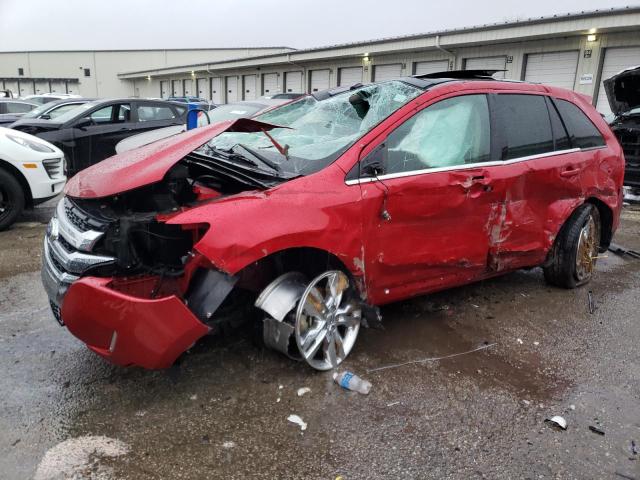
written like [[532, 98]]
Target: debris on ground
[[350, 381], [298, 421], [229, 444], [519, 340], [432, 359], [572, 407], [392, 404], [557, 421], [620, 250], [596, 430], [592, 307], [303, 390], [634, 447]]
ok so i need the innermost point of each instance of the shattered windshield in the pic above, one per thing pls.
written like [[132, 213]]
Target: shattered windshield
[[319, 131]]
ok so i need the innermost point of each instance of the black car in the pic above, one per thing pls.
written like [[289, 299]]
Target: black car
[[51, 110], [623, 93], [90, 132], [12, 109]]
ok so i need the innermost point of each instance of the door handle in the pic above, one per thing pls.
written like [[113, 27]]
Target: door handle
[[569, 172]]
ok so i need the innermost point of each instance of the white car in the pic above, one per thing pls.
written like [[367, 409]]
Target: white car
[[43, 98], [31, 172]]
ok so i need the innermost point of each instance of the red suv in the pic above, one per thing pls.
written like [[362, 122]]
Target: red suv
[[309, 216]]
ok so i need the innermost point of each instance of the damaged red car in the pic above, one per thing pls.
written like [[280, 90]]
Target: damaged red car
[[308, 217]]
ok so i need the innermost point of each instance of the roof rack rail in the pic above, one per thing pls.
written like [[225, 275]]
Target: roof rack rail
[[462, 74]]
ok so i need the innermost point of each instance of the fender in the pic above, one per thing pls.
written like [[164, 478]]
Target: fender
[[247, 227]]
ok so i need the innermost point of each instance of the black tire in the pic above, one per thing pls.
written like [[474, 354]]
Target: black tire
[[562, 268], [11, 199]]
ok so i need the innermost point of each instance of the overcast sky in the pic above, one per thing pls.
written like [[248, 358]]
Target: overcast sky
[[124, 24]]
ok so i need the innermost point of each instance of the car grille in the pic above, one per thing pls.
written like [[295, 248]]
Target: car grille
[[68, 249], [54, 167]]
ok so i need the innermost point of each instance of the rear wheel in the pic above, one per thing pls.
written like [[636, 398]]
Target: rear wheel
[[573, 257], [11, 199]]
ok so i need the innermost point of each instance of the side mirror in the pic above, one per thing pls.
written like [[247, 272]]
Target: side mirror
[[84, 123], [373, 164], [45, 116]]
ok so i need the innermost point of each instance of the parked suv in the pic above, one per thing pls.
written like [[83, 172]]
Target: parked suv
[[31, 172], [89, 133], [318, 211]]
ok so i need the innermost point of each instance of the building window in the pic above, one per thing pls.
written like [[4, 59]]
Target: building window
[[21, 72], [87, 72]]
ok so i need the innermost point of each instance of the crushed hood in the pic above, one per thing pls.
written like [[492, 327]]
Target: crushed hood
[[623, 90], [149, 164]]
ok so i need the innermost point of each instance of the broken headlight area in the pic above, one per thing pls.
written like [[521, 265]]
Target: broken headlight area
[[627, 130]]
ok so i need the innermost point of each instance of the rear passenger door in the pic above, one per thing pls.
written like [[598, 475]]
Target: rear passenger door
[[543, 166]]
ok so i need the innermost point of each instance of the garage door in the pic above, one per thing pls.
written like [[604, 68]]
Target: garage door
[[13, 86], [176, 88], [58, 87], [188, 86], [232, 89], [202, 85], [487, 63], [319, 80], [249, 87], [41, 87], [349, 76], [27, 87], [164, 88], [73, 87], [216, 90], [615, 60], [293, 82], [423, 68], [269, 84], [557, 69], [387, 72]]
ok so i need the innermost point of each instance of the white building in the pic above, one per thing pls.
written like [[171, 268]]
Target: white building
[[574, 51]]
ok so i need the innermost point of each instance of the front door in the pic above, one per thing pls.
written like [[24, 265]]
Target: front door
[[430, 200], [97, 140]]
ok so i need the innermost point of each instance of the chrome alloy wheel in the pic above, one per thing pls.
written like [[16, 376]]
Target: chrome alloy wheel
[[327, 321], [587, 250]]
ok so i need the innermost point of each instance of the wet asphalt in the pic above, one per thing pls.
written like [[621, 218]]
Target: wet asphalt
[[222, 412]]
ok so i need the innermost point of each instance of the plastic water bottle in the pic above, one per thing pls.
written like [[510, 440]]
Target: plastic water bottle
[[351, 381]]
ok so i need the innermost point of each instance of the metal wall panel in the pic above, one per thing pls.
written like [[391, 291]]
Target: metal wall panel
[[216, 90], [423, 68], [231, 89]]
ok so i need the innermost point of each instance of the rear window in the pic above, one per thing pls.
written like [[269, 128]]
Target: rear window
[[582, 132], [525, 125]]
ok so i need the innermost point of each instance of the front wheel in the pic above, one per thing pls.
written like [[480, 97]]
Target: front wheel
[[573, 257], [11, 199]]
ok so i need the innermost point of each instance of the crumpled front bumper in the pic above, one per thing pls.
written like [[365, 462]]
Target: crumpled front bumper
[[126, 330], [121, 327]]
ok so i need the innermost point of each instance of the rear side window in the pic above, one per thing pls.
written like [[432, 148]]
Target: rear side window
[[582, 132], [18, 107], [147, 113], [525, 125]]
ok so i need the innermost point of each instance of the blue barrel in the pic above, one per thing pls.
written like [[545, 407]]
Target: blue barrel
[[192, 116]]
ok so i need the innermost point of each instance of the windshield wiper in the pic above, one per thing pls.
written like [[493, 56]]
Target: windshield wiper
[[259, 156]]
